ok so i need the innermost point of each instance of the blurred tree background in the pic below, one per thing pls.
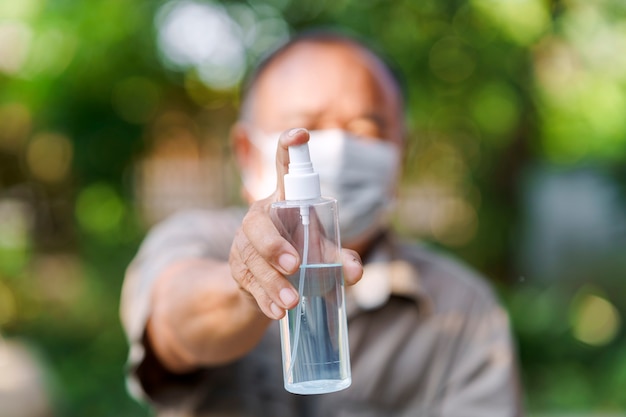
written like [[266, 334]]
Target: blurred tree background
[[115, 113]]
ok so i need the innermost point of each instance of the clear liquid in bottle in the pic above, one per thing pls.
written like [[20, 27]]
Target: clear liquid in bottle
[[319, 363]]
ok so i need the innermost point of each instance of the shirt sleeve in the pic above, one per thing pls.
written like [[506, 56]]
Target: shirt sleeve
[[187, 235]]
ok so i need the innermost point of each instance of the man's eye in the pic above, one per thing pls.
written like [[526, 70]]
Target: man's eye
[[365, 127]]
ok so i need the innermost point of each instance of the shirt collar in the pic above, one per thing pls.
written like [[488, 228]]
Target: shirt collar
[[386, 275]]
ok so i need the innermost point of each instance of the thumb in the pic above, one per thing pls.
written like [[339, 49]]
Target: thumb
[[288, 138]]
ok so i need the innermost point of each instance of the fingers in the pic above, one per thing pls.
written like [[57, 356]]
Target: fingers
[[260, 258], [352, 266], [267, 241], [288, 138]]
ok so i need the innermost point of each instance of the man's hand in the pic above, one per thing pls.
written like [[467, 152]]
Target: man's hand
[[202, 317], [260, 257]]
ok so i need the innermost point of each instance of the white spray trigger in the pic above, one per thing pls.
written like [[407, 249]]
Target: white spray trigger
[[301, 182]]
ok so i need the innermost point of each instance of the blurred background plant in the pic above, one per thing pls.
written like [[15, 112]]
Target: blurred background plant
[[115, 113]]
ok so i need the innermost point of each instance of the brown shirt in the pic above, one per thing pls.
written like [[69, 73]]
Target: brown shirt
[[427, 338]]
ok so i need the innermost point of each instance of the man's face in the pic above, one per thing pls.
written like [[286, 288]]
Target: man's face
[[328, 86], [321, 87]]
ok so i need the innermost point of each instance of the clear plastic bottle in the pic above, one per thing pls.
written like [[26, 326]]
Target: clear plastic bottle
[[314, 334]]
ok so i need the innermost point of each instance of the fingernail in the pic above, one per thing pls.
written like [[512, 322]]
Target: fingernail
[[357, 261], [287, 261], [276, 311], [294, 132], [288, 296]]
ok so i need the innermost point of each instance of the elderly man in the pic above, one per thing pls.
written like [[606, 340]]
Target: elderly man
[[201, 299]]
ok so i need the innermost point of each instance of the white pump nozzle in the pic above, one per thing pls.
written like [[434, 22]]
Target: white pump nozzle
[[300, 159], [302, 182]]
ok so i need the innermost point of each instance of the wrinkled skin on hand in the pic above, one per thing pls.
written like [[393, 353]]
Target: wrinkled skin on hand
[[260, 257]]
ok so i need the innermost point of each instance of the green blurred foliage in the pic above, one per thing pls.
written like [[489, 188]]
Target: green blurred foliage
[[495, 88]]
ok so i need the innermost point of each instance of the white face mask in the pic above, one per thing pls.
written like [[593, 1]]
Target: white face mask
[[359, 173]]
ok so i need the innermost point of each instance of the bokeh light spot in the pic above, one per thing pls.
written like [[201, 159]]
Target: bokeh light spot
[[22, 9], [522, 21], [496, 110], [99, 209], [15, 40], [15, 122], [594, 319], [545, 316], [557, 68], [267, 32], [49, 157], [204, 37], [22, 376], [51, 53], [603, 105]]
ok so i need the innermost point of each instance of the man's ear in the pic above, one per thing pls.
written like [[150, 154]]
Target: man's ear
[[241, 145], [243, 153]]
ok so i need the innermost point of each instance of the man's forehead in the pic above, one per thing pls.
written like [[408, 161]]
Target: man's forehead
[[334, 55], [312, 79], [314, 84], [316, 70]]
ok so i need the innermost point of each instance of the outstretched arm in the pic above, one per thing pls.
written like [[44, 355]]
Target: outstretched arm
[[206, 312]]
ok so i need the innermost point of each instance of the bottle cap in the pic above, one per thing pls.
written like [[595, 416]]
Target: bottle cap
[[301, 182]]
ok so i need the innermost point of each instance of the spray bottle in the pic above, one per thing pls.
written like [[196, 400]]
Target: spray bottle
[[314, 334]]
